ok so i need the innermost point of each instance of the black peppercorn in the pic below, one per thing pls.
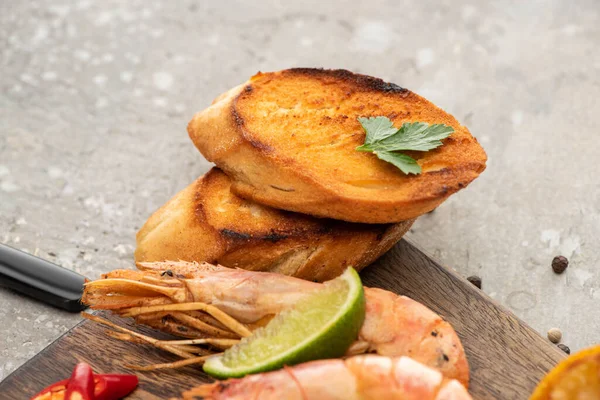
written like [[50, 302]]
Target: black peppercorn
[[475, 280], [559, 264], [167, 272], [564, 348]]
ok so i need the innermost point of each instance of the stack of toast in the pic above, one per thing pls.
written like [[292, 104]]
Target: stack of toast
[[289, 192]]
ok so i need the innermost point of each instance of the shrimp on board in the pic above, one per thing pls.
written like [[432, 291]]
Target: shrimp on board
[[207, 302], [366, 377]]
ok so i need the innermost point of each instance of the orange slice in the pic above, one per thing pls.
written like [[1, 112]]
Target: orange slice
[[575, 378]]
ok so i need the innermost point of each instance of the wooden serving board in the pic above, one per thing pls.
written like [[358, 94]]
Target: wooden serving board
[[507, 357]]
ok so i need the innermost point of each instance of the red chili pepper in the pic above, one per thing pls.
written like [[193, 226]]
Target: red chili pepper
[[106, 387], [81, 385], [113, 387], [53, 391]]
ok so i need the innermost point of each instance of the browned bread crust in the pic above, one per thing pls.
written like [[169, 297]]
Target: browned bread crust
[[206, 222], [287, 139]]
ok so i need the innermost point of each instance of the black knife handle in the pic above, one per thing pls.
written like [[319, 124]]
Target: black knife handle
[[41, 279]]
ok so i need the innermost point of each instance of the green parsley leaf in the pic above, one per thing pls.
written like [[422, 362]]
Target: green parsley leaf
[[407, 164], [386, 141], [377, 128], [417, 136]]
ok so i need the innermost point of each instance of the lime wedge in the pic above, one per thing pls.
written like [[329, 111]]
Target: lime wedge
[[322, 325]]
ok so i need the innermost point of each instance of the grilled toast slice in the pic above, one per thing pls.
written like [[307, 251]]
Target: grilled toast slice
[[287, 139], [206, 222]]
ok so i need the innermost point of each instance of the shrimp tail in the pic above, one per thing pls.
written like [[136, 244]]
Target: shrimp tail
[[397, 325]]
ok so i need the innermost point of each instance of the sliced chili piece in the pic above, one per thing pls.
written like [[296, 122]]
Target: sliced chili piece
[[81, 385], [53, 392], [106, 386], [114, 386]]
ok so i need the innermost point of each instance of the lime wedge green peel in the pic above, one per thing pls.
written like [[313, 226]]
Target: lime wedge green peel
[[322, 325]]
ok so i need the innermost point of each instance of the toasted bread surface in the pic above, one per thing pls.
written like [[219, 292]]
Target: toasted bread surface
[[207, 222], [287, 139]]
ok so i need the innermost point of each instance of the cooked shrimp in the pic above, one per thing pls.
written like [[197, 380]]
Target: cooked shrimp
[[361, 377], [201, 300]]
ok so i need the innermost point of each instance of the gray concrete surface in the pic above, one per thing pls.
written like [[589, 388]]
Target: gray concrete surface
[[95, 97]]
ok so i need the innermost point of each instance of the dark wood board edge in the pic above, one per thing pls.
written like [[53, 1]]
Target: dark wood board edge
[[506, 356]]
